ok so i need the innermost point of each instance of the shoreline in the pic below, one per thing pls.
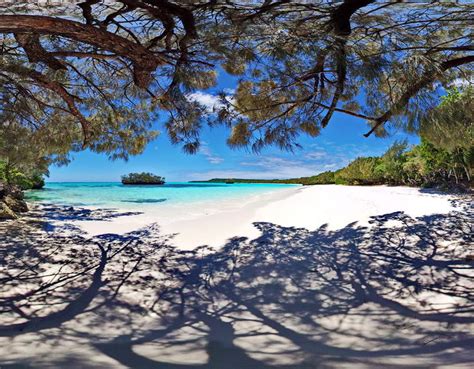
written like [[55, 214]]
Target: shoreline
[[220, 220], [214, 223]]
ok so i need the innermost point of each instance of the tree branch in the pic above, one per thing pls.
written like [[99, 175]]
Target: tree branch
[[341, 17], [30, 42], [144, 61], [427, 79], [341, 80], [57, 88]]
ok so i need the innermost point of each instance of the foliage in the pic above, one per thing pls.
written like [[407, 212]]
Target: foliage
[[390, 166], [142, 178], [107, 119], [423, 165], [429, 165], [444, 157], [95, 75], [362, 171], [327, 177], [451, 124], [309, 62], [25, 155], [26, 181]]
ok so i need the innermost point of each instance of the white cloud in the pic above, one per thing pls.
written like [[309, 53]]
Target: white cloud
[[252, 174], [229, 91], [316, 155], [304, 164], [210, 156], [461, 82], [270, 162], [278, 167], [262, 167], [211, 103]]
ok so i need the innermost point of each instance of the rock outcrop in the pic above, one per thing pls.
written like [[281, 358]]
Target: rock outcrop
[[6, 212], [11, 202]]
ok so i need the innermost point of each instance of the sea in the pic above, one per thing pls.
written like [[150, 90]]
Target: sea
[[176, 194]]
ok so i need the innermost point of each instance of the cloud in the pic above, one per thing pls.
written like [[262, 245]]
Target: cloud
[[261, 167], [303, 164], [229, 91], [209, 155], [316, 155], [250, 174], [462, 82], [270, 162], [211, 103], [330, 157], [279, 167]]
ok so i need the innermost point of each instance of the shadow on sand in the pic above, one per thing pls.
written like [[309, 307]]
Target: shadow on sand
[[398, 294]]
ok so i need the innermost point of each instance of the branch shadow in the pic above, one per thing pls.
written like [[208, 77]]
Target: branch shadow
[[63, 213], [397, 294]]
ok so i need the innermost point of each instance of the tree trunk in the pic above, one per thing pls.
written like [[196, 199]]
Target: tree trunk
[[466, 170], [455, 176]]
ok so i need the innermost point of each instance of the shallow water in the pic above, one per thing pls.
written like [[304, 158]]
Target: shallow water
[[117, 195]]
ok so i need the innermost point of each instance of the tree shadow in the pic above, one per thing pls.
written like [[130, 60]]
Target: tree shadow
[[397, 294], [50, 213]]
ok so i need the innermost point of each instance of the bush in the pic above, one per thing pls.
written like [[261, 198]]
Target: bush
[[362, 171], [26, 181], [323, 178]]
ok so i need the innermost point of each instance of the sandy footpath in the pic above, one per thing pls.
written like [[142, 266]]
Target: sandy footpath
[[307, 207]]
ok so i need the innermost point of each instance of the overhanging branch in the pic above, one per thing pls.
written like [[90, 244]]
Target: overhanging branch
[[427, 79], [144, 62]]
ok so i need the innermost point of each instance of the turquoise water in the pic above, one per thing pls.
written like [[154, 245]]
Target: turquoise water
[[114, 194]]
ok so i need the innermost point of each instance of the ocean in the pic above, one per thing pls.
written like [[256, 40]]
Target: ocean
[[117, 195]]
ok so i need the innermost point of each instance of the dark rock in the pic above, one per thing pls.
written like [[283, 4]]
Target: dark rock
[[15, 191], [18, 205], [3, 190], [6, 212], [11, 201]]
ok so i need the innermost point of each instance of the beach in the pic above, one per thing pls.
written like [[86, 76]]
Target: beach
[[292, 278], [307, 207], [236, 184]]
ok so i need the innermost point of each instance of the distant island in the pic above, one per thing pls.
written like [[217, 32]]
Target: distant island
[[143, 178], [321, 178]]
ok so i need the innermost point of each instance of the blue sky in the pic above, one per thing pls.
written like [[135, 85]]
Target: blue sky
[[339, 143]]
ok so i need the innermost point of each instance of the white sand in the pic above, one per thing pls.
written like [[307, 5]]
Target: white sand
[[307, 207], [276, 312]]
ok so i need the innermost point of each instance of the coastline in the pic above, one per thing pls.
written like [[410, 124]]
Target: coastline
[[208, 223], [309, 207]]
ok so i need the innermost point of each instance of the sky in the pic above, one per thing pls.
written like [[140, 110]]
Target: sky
[[339, 143]]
